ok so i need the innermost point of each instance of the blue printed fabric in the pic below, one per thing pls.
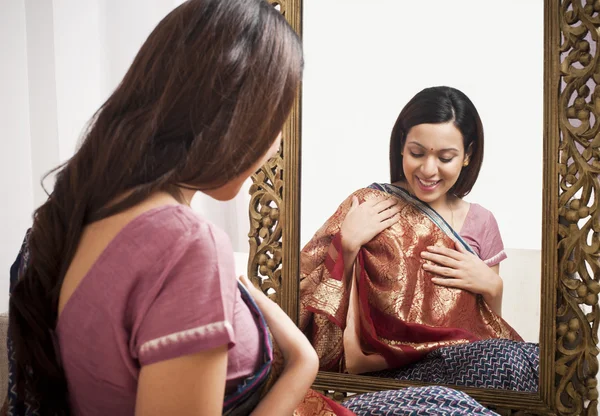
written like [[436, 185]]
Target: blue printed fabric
[[492, 363], [16, 406], [416, 401]]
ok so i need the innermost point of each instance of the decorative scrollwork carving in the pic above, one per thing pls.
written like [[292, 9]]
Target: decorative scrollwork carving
[[264, 268], [271, 219], [577, 313], [267, 211]]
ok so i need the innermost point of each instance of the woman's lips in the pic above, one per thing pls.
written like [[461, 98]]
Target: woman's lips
[[427, 186]]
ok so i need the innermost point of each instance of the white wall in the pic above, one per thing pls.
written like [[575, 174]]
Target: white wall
[[61, 61], [79, 68], [15, 147], [363, 64], [110, 35], [42, 94]]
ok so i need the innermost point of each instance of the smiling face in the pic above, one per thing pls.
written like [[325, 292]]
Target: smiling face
[[433, 159]]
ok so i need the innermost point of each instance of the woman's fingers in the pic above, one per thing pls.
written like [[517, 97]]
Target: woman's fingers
[[385, 203], [387, 223], [460, 248], [455, 283], [440, 259], [440, 270], [354, 204], [388, 213], [445, 251], [246, 282]]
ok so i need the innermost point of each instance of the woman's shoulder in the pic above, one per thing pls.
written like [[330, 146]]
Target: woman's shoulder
[[377, 185], [482, 230], [479, 214], [171, 228], [388, 188], [375, 189]]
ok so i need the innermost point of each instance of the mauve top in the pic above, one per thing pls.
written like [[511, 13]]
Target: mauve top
[[480, 230], [164, 287]]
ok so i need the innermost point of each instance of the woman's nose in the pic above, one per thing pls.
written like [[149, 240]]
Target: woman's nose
[[429, 167]]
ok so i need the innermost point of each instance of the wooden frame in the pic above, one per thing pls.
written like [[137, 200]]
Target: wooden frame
[[571, 223]]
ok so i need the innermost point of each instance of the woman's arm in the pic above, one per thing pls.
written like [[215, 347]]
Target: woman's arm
[[179, 386], [362, 223], [358, 362], [301, 361], [190, 385], [493, 295]]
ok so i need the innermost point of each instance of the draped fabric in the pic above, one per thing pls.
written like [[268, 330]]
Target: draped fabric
[[403, 314], [417, 401], [488, 364]]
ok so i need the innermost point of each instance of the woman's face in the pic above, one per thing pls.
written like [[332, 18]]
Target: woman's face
[[433, 159], [232, 188]]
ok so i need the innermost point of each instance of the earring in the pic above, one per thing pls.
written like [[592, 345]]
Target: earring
[[466, 163]]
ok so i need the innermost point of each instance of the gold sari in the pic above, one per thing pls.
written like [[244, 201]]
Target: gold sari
[[403, 314]]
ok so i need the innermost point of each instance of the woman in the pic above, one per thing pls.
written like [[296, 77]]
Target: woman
[[126, 300], [406, 268]]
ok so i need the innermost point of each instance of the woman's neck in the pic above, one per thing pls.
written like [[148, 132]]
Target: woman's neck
[[448, 206], [439, 204], [188, 195]]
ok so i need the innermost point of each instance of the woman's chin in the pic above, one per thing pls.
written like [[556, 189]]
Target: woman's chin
[[427, 195], [427, 198]]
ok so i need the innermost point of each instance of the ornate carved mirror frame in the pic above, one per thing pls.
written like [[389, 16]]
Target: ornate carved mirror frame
[[571, 223]]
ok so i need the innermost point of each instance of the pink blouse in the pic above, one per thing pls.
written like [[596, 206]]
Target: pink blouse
[[480, 230], [163, 288]]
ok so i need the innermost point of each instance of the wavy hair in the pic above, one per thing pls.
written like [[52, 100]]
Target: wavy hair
[[204, 99], [441, 105]]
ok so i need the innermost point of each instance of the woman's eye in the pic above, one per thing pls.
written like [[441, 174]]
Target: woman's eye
[[416, 154], [443, 160]]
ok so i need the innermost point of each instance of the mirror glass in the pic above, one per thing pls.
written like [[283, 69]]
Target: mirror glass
[[363, 65]]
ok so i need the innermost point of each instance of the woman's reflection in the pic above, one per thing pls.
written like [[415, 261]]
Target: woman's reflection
[[403, 279]]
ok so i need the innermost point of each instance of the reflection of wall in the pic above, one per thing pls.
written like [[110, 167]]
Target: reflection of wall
[[521, 301], [364, 63]]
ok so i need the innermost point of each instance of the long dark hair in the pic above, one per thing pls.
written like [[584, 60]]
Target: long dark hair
[[204, 99], [441, 105]]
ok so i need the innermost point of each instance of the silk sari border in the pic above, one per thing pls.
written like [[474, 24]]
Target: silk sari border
[[424, 208]]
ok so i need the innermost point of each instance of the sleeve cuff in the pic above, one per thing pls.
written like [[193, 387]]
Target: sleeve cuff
[[496, 259], [186, 342]]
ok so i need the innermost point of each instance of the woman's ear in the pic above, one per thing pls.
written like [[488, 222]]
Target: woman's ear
[[468, 153]]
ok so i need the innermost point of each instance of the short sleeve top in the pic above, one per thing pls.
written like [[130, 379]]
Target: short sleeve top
[[480, 230], [164, 287]]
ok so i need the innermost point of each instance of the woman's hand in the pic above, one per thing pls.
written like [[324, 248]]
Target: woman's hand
[[364, 221], [461, 269], [301, 362], [248, 284]]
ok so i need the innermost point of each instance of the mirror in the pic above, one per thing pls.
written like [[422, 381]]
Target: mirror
[[361, 69], [568, 331]]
